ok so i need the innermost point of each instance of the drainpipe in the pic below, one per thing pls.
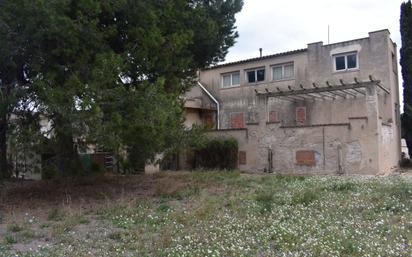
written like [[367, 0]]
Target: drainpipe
[[214, 100]]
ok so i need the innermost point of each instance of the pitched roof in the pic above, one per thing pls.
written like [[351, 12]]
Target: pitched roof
[[257, 58]]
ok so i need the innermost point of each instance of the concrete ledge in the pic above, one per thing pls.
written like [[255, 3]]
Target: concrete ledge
[[318, 125], [358, 118], [228, 129]]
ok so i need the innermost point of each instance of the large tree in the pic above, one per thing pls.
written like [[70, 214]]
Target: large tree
[[19, 49], [110, 71], [406, 63]]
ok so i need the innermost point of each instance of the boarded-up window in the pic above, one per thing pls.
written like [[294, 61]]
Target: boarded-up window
[[209, 120], [305, 158], [300, 114], [242, 158], [273, 116], [237, 120]]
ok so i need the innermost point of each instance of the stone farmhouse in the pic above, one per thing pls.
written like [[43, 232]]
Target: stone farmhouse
[[325, 109]]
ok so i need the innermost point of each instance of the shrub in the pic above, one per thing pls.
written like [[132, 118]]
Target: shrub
[[96, 168], [49, 172], [217, 153]]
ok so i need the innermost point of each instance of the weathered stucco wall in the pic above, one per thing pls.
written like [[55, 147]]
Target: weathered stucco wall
[[342, 135]]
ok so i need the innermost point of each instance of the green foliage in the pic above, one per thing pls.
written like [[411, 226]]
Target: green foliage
[[306, 196], [402, 191], [406, 64], [50, 172], [13, 227], [96, 168], [55, 215], [107, 72], [343, 186], [265, 198], [218, 153], [163, 208], [9, 239]]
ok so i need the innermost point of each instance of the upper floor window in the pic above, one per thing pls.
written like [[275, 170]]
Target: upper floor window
[[255, 75], [284, 71], [231, 79], [346, 61], [394, 63]]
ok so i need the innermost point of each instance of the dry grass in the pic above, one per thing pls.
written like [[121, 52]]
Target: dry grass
[[208, 213]]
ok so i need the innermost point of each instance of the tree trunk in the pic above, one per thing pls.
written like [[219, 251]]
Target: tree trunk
[[4, 172], [68, 159]]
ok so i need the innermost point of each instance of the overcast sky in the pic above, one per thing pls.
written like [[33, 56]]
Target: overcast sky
[[279, 26]]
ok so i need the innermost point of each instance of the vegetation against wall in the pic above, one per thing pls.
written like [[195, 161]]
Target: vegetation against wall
[[406, 63], [217, 153]]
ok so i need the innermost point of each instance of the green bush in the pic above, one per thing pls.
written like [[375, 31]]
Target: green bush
[[217, 153], [49, 172], [96, 168]]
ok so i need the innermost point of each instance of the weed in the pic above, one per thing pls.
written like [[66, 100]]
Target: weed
[[265, 200], [206, 209], [350, 248], [306, 197], [117, 235], [9, 239], [217, 214], [402, 191], [79, 219], [45, 225], [343, 186], [28, 234], [13, 227], [163, 208], [55, 215]]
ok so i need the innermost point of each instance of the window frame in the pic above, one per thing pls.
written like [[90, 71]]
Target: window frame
[[231, 79], [282, 65], [345, 55], [255, 70]]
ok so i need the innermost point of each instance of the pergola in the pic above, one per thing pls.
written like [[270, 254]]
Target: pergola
[[331, 92]]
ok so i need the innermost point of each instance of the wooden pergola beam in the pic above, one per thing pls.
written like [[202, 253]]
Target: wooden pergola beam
[[322, 90]]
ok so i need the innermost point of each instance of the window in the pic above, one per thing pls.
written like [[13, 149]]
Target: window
[[255, 75], [231, 79], [394, 64], [346, 61], [285, 71]]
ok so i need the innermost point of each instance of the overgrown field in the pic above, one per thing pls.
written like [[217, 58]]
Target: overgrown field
[[220, 214]]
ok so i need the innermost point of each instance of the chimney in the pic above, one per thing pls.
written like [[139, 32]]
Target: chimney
[[260, 50]]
